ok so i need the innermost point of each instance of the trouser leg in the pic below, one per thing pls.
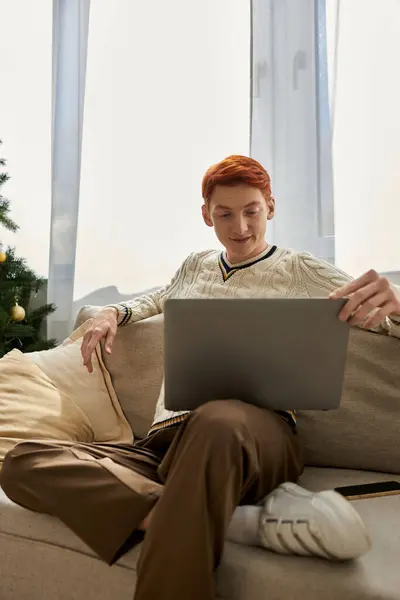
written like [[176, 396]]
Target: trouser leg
[[102, 492], [225, 453]]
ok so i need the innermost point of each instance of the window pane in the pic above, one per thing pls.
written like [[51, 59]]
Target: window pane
[[167, 94], [25, 124], [291, 132]]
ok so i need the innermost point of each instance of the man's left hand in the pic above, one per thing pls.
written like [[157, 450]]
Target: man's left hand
[[371, 299]]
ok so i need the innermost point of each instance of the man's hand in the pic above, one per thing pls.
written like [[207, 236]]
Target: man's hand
[[371, 299], [104, 326]]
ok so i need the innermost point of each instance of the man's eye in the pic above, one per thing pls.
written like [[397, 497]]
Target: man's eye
[[225, 215], [252, 212]]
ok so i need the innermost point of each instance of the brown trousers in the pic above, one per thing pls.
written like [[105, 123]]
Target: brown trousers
[[226, 453]]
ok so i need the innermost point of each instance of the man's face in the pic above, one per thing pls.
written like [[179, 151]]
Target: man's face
[[239, 216]]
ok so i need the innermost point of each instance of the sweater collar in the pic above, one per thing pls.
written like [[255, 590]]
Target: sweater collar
[[228, 269], [248, 261]]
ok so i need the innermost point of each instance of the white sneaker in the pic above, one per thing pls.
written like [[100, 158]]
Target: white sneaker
[[296, 521]]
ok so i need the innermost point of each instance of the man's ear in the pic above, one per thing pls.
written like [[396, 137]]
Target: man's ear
[[270, 208], [206, 216]]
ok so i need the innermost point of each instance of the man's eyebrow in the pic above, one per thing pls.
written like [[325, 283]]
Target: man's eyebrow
[[253, 203]]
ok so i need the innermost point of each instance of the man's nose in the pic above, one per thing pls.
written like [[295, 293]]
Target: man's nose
[[240, 225]]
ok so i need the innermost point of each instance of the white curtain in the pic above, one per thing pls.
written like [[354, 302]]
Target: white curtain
[[366, 134], [70, 33], [167, 95], [25, 124]]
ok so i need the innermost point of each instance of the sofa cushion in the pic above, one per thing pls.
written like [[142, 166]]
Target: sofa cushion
[[251, 573], [41, 559], [92, 392], [57, 559], [136, 368], [32, 407], [364, 432]]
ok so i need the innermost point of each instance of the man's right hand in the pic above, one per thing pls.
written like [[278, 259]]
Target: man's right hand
[[104, 326]]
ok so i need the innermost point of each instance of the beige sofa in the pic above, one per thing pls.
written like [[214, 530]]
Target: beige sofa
[[41, 559]]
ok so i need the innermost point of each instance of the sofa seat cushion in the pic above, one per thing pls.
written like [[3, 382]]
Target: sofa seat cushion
[[253, 573], [245, 573], [20, 522], [41, 559]]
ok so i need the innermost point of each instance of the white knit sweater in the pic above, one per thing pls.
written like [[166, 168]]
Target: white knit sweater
[[275, 273]]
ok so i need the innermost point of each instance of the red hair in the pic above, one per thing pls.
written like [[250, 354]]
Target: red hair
[[236, 170]]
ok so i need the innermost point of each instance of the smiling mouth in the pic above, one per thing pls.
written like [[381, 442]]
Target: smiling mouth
[[241, 241]]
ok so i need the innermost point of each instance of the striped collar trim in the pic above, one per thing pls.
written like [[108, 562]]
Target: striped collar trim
[[228, 270]]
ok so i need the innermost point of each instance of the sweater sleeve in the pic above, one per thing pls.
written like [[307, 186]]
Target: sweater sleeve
[[320, 278], [151, 304]]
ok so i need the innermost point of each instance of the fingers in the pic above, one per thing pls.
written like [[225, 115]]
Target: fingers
[[103, 326], [91, 338], [355, 285], [89, 364], [361, 296], [109, 340], [84, 347], [371, 299], [367, 308], [379, 315]]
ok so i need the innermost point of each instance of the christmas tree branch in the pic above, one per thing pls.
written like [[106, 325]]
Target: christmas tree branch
[[19, 330], [20, 327], [5, 209]]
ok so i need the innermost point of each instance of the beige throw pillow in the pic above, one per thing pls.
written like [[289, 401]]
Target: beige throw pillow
[[31, 407], [92, 392]]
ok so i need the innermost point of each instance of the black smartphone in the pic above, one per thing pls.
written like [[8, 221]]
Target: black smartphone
[[369, 490]]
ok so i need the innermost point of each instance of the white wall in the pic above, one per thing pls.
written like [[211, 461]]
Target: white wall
[[167, 94], [25, 124], [366, 142]]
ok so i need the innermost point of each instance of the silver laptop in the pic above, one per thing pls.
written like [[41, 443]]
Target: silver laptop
[[274, 353]]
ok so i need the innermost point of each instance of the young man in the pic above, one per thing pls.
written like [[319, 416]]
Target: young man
[[182, 483]]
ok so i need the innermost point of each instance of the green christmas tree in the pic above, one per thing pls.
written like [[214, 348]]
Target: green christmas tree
[[20, 327]]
